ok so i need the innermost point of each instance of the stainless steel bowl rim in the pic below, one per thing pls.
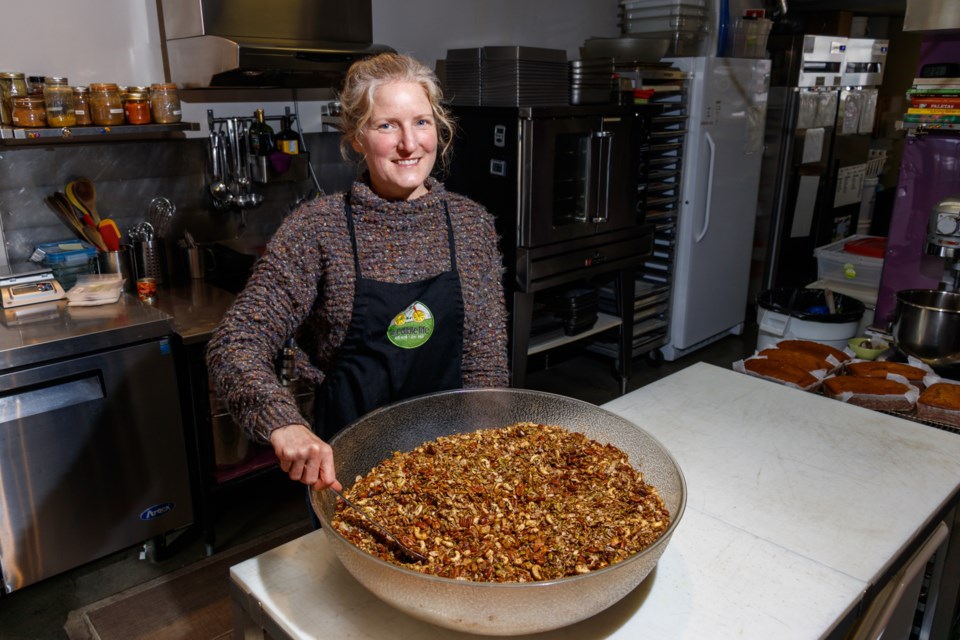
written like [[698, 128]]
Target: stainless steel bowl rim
[[926, 326], [662, 540], [904, 296]]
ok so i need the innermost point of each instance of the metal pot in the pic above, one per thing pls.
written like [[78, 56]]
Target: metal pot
[[489, 608], [927, 326]]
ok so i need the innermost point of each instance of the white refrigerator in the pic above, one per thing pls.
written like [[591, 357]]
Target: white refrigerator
[[718, 204]]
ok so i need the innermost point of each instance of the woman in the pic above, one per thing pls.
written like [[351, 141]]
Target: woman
[[392, 290]]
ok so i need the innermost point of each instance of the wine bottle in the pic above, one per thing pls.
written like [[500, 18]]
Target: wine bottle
[[287, 140], [262, 140]]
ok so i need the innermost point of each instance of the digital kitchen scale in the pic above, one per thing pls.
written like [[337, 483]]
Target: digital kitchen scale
[[28, 284]]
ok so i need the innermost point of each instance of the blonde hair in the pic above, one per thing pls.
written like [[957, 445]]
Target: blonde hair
[[367, 75]]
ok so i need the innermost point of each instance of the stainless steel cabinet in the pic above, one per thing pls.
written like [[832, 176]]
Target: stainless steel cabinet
[[92, 459]]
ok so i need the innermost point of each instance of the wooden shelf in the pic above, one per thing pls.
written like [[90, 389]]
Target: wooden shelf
[[56, 135]]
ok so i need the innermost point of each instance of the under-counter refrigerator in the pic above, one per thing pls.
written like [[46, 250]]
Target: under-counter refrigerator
[[721, 177], [93, 454]]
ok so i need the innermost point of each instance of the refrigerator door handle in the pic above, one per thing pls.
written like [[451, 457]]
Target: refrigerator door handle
[[706, 214]]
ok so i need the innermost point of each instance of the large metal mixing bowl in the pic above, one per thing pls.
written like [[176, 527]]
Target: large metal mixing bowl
[[926, 326], [485, 607]]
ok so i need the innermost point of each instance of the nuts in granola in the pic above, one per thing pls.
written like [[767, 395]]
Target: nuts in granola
[[520, 503]]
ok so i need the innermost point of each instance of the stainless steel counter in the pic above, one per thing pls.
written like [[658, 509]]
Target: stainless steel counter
[[54, 330], [41, 332], [195, 308]]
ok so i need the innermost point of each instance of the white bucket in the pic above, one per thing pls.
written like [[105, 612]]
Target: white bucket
[[774, 324], [774, 327]]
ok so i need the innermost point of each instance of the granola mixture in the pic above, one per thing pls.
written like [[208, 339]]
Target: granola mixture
[[517, 504]]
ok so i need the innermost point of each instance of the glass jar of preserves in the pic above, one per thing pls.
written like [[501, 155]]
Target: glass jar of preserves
[[13, 84], [106, 104], [81, 106], [58, 98], [29, 111], [136, 106], [35, 85], [165, 103]]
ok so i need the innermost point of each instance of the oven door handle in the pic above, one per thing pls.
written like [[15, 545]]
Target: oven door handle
[[604, 146], [706, 210]]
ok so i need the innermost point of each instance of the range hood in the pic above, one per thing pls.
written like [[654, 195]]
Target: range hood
[[932, 15], [251, 43]]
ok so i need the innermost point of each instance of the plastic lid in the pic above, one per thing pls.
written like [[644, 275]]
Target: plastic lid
[[66, 251], [873, 247]]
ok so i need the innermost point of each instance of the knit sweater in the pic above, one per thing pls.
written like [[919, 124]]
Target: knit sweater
[[304, 285]]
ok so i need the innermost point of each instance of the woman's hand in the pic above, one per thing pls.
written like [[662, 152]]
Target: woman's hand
[[304, 457]]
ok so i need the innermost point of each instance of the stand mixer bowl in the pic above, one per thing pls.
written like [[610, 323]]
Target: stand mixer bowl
[[927, 326]]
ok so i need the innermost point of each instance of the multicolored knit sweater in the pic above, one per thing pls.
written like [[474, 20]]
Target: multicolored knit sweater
[[304, 286]]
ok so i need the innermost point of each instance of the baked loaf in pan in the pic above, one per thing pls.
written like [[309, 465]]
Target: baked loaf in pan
[[806, 361], [940, 402], [881, 369], [781, 372], [818, 349], [873, 393]]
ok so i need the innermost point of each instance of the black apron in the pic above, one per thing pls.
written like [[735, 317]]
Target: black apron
[[403, 340]]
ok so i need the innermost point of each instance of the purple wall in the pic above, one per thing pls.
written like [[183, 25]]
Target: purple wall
[[936, 48], [929, 172]]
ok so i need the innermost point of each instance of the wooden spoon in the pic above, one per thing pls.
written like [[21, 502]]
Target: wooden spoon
[[831, 301], [86, 193], [81, 214], [75, 201], [66, 216], [68, 208]]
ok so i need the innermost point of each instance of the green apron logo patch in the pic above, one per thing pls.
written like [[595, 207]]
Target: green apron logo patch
[[412, 327]]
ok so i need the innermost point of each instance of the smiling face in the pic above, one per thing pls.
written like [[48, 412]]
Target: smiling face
[[399, 141]]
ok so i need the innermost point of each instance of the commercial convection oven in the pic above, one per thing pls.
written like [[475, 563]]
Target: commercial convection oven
[[562, 185]]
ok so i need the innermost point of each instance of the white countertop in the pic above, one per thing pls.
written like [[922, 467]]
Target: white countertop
[[796, 505]]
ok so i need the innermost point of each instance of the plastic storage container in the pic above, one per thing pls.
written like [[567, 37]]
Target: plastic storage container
[[661, 5], [68, 259], [855, 260], [748, 38], [684, 22], [665, 11], [577, 308], [666, 23]]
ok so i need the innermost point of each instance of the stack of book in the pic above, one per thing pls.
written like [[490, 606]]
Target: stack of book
[[934, 101]]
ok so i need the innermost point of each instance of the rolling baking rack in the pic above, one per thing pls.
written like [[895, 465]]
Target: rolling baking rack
[[661, 164]]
